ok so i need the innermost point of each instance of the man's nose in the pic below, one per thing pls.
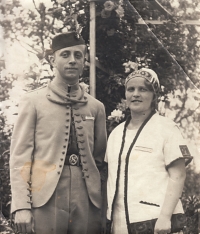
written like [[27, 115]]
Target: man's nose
[[72, 59]]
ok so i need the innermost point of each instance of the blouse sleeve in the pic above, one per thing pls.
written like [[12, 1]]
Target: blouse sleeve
[[176, 147]]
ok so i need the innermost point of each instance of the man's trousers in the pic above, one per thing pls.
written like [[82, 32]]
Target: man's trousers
[[69, 211]]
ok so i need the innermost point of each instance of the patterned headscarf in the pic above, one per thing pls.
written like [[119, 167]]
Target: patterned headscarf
[[147, 74]]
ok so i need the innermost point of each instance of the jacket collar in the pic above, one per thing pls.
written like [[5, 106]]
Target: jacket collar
[[60, 94], [65, 88]]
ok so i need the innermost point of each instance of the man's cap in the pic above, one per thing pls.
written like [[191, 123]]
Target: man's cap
[[147, 74], [68, 39]]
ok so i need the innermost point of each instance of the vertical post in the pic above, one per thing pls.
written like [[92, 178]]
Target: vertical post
[[92, 48]]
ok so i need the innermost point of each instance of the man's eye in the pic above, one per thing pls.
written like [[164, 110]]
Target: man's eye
[[78, 55], [143, 89], [65, 55]]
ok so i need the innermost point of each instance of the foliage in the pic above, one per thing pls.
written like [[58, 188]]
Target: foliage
[[5, 227], [11, 91], [5, 133], [190, 199]]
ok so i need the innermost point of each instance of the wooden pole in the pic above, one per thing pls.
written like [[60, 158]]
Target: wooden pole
[[92, 48]]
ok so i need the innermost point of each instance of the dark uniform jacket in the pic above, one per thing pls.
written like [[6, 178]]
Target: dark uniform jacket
[[40, 140]]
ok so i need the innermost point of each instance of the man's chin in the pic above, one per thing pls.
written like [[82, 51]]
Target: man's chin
[[72, 78]]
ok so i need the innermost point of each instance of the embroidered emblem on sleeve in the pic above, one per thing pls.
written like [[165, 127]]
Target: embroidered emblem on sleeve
[[185, 151]]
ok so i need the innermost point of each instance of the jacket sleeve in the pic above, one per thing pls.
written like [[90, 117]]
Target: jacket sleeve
[[100, 136], [22, 146]]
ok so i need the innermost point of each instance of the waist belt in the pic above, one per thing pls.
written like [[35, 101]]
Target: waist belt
[[73, 160]]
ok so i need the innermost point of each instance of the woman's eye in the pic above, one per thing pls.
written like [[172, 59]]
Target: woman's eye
[[143, 89], [130, 89]]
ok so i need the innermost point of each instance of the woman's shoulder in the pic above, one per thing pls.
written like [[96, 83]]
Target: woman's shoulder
[[119, 127], [164, 125], [164, 121], [117, 130]]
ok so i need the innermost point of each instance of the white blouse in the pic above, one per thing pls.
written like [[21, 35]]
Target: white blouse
[[158, 145]]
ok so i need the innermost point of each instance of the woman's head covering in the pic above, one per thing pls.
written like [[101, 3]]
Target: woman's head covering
[[147, 74]]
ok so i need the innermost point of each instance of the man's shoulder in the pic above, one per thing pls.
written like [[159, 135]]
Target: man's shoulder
[[38, 92], [92, 100], [34, 96]]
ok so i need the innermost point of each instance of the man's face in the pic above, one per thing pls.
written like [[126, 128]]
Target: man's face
[[69, 62]]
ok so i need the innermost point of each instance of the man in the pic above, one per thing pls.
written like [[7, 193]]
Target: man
[[57, 148]]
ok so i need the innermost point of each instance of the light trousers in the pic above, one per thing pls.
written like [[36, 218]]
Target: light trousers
[[69, 211]]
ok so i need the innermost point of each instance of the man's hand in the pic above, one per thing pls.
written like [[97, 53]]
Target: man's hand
[[24, 221], [163, 225]]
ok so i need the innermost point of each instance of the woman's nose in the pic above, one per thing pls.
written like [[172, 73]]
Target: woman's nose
[[136, 93]]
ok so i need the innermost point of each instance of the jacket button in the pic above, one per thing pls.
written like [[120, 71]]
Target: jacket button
[[63, 152], [66, 133], [84, 161], [60, 165], [87, 176], [61, 159], [67, 107], [80, 127], [77, 121], [58, 172], [67, 126], [82, 141], [66, 139], [67, 120], [64, 146]]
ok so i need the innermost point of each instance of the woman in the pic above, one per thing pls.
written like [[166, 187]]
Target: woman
[[146, 164]]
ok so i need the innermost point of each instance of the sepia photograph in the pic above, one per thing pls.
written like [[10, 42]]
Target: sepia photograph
[[100, 116]]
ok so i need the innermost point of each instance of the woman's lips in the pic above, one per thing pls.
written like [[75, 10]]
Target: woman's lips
[[136, 101]]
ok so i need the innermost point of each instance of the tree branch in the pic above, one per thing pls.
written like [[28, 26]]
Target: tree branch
[[36, 6]]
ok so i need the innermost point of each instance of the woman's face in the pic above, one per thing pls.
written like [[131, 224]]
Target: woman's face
[[138, 95]]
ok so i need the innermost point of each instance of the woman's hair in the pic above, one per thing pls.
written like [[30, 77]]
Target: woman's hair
[[154, 103]]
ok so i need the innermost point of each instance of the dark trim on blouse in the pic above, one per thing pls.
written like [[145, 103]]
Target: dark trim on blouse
[[126, 167]]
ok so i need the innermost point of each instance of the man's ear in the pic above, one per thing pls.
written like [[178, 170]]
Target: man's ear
[[52, 60]]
